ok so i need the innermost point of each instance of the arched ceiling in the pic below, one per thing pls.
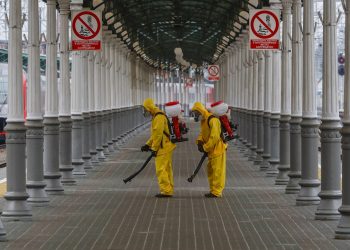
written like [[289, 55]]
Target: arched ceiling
[[154, 28]]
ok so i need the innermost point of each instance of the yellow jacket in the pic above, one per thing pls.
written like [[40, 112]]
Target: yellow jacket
[[159, 142], [210, 135]]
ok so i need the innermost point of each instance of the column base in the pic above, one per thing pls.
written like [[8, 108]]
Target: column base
[[35, 178], [329, 205], [100, 155], [265, 164], [67, 175], [331, 196], [243, 149], [111, 147], [2, 233], [65, 149], [253, 154], [308, 194], [94, 159], [79, 168], [105, 149], [293, 184], [53, 183], [258, 159], [247, 152], [37, 194], [309, 183], [282, 176], [115, 145], [272, 170], [51, 155], [16, 207], [87, 161], [342, 231]]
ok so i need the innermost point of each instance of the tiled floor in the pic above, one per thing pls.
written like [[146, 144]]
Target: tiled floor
[[102, 212]]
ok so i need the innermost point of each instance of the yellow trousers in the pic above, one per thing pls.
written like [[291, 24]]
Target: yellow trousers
[[217, 174], [164, 172]]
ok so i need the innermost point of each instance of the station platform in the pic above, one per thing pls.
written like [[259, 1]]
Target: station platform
[[101, 212]]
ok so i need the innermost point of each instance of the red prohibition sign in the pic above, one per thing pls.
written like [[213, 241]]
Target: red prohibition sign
[[213, 70], [256, 17], [93, 32]]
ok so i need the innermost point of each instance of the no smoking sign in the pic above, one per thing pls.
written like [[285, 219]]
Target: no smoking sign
[[264, 29], [86, 30], [213, 73]]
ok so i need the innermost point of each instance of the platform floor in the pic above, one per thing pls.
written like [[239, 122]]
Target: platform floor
[[102, 212]]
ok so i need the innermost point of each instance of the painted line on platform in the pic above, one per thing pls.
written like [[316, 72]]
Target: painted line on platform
[[3, 187]]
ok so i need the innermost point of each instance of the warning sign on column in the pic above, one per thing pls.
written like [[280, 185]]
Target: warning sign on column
[[264, 29], [86, 30], [213, 73]]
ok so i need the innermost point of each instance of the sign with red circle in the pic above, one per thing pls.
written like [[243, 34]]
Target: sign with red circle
[[264, 29], [213, 73], [86, 30]]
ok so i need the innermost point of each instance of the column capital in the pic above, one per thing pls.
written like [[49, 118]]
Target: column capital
[[286, 4], [51, 2], [295, 2], [64, 5], [276, 4]]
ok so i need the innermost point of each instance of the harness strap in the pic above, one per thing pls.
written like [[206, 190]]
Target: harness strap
[[165, 133]]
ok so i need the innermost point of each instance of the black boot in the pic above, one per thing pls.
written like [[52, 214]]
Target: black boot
[[163, 195], [210, 195]]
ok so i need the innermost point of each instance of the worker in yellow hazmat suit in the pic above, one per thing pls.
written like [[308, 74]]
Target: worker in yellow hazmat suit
[[160, 144], [209, 141]]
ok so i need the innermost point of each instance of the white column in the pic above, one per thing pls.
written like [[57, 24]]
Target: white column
[[85, 111], [239, 87], [77, 117], [245, 81], [16, 205], [275, 113], [254, 105], [296, 102], [124, 85], [113, 93], [284, 165], [92, 108], [109, 64], [67, 158], [343, 228], [309, 182], [267, 110], [330, 194], [260, 108], [52, 173], [109, 83], [103, 84], [119, 73], [98, 104], [137, 85], [248, 96], [171, 88], [35, 168], [162, 88]]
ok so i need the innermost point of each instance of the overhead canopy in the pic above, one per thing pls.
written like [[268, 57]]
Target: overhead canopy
[[154, 28]]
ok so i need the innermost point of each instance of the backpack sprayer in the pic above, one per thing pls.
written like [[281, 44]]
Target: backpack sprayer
[[177, 126], [221, 111]]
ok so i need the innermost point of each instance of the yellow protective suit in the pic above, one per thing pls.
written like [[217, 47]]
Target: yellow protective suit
[[160, 143], [216, 149]]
